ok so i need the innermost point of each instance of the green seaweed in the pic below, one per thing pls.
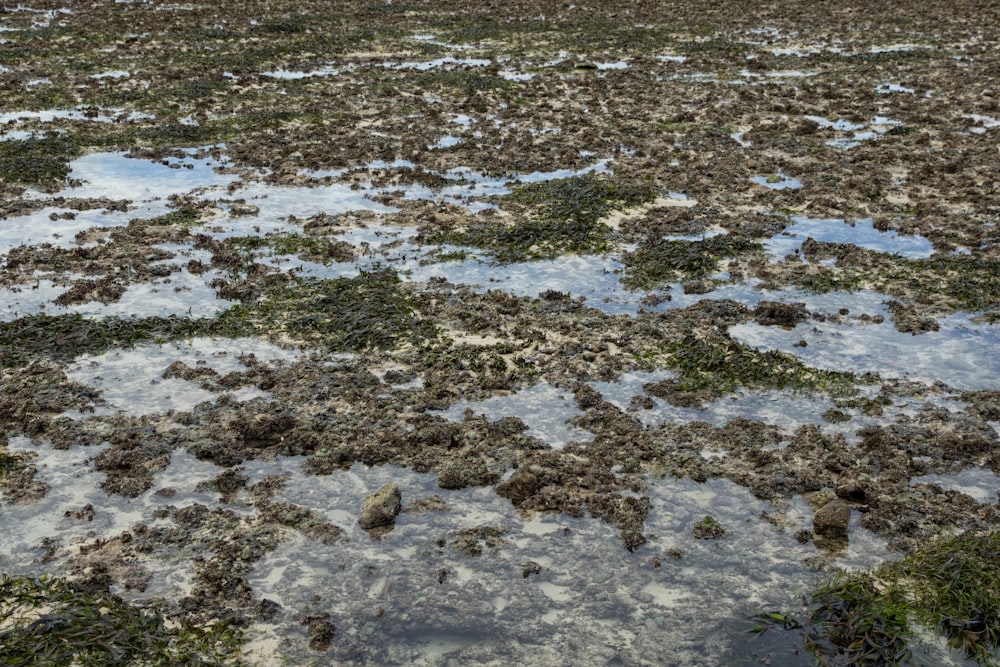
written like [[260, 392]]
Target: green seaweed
[[64, 337], [465, 81], [658, 262], [367, 311], [37, 160], [972, 282], [49, 622], [720, 365], [9, 463], [307, 246], [951, 585], [561, 216]]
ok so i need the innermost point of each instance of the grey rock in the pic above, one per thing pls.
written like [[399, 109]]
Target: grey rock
[[832, 519], [381, 507]]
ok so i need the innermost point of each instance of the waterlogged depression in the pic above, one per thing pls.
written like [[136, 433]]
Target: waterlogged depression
[[624, 325], [517, 587]]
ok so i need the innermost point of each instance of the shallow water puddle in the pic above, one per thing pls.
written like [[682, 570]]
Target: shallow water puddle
[[439, 63], [961, 354], [147, 185], [277, 202], [777, 182], [981, 484], [72, 486], [868, 131], [545, 409], [886, 88], [107, 175], [78, 114], [861, 233], [145, 379], [115, 176], [23, 300], [181, 293], [56, 226], [76, 510], [294, 75], [786, 409], [982, 123], [548, 588], [595, 278]]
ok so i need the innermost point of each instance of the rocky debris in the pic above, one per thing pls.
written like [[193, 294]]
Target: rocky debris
[[320, 629], [774, 313], [832, 519], [518, 487], [530, 567], [380, 508], [472, 540], [909, 320], [709, 529]]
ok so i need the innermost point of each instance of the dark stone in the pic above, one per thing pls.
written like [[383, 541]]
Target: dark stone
[[773, 313]]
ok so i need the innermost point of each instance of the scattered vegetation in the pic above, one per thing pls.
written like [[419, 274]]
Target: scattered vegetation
[[973, 283], [41, 161], [182, 217], [709, 529], [64, 337], [658, 261], [869, 618], [308, 247], [557, 217], [719, 364], [49, 622], [368, 311], [465, 81], [8, 463]]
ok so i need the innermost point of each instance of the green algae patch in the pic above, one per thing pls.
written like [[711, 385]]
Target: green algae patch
[[561, 216], [969, 282], [8, 463], [467, 82], [367, 311], [50, 622], [64, 337], [719, 365], [41, 161], [869, 618], [182, 217], [307, 246], [658, 262], [973, 282]]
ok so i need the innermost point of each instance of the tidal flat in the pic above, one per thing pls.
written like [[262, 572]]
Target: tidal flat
[[673, 327]]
